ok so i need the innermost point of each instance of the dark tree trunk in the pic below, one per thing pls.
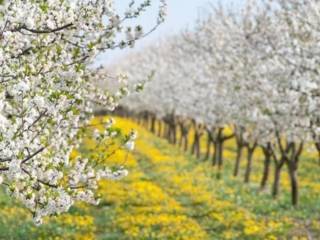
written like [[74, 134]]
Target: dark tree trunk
[[249, 164], [215, 153], [294, 185], [284, 149], [266, 172], [181, 127], [220, 159], [171, 134], [186, 143], [196, 145], [240, 145], [238, 159], [174, 133], [276, 181], [290, 154], [209, 142], [292, 164], [198, 148], [159, 128], [153, 124], [183, 142], [148, 125], [198, 132], [166, 131], [145, 122], [195, 142]]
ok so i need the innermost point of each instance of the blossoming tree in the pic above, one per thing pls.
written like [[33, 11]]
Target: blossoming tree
[[48, 93]]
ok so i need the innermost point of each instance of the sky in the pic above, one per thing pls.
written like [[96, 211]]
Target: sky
[[181, 14]]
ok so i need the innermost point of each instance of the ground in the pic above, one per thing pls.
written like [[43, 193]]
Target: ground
[[171, 195]]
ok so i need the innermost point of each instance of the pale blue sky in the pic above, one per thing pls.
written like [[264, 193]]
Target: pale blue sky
[[181, 14]]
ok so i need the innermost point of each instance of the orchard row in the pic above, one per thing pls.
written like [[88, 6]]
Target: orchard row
[[254, 70]]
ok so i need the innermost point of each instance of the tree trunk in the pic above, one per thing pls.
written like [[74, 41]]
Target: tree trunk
[[174, 134], [249, 165], [220, 159], [266, 171], [153, 124], [159, 128], [293, 172], [198, 148], [209, 142], [195, 142], [276, 182], [294, 185], [186, 142], [166, 131], [171, 134], [148, 122], [215, 153], [145, 121], [181, 135], [238, 159], [183, 142]]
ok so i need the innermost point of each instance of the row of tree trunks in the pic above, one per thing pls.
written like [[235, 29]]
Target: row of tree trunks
[[288, 154], [282, 153]]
